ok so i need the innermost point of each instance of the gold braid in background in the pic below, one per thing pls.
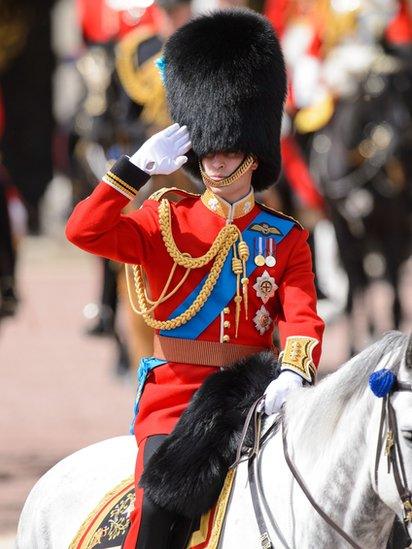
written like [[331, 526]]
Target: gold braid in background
[[227, 237], [142, 83], [14, 28]]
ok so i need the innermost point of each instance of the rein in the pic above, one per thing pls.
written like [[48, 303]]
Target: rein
[[392, 451], [394, 455], [305, 490]]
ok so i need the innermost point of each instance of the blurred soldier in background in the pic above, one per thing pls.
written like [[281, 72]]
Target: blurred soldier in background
[[15, 29], [13, 222], [123, 104], [8, 299], [26, 86], [349, 109]]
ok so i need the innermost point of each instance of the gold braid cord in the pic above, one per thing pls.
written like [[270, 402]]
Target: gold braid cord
[[224, 240], [219, 251]]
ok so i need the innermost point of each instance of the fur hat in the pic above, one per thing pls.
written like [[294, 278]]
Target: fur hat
[[225, 79]]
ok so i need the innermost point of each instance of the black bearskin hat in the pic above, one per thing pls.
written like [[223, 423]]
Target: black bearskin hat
[[225, 79]]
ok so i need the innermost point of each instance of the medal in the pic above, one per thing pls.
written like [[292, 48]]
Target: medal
[[265, 287], [259, 258], [270, 260], [262, 320]]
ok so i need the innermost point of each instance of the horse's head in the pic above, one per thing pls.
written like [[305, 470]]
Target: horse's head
[[337, 433], [393, 469]]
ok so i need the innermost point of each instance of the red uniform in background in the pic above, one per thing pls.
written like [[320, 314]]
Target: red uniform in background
[[101, 24]]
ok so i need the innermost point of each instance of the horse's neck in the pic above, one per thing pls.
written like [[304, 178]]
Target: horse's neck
[[338, 477]]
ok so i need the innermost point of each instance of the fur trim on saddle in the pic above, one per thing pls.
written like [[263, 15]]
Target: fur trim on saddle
[[187, 472]]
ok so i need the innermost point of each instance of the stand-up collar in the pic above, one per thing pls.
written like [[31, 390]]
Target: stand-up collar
[[225, 209]]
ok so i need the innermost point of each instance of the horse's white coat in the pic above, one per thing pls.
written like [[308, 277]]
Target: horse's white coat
[[63, 498], [332, 436]]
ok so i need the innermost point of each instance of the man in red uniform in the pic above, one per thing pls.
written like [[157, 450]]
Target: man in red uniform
[[213, 274]]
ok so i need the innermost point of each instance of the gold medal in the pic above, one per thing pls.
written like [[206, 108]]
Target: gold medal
[[259, 257], [259, 260]]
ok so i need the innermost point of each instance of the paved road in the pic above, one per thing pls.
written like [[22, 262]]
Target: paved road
[[58, 390]]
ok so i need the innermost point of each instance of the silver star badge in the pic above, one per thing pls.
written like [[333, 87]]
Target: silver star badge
[[262, 320], [265, 286]]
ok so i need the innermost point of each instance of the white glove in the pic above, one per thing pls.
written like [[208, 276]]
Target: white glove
[[163, 152], [278, 390]]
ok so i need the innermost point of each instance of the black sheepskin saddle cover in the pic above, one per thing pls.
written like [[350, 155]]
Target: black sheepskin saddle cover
[[187, 472]]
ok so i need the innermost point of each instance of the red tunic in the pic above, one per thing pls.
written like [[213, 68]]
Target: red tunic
[[97, 225]]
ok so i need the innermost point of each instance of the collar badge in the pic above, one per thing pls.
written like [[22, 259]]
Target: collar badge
[[213, 203]]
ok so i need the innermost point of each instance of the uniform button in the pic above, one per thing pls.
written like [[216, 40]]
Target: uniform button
[[226, 323], [226, 338], [226, 310]]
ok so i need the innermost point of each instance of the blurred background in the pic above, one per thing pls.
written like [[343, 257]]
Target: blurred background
[[79, 88]]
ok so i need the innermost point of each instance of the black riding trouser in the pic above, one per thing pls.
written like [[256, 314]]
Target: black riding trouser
[[160, 529]]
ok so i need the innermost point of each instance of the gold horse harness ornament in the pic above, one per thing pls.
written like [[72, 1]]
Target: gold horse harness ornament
[[392, 451]]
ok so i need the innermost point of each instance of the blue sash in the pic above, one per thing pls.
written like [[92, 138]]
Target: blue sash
[[225, 288]]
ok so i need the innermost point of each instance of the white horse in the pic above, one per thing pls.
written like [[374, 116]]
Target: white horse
[[332, 433]]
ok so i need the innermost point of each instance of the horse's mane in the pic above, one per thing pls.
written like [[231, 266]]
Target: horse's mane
[[342, 398]]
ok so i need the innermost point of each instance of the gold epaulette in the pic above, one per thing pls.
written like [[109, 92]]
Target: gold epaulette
[[158, 195], [280, 214]]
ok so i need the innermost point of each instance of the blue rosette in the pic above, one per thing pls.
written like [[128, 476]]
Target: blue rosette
[[382, 382]]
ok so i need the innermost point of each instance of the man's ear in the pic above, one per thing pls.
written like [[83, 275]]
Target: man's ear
[[254, 165]]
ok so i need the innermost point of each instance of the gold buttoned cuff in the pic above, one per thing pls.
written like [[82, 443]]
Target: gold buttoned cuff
[[297, 356]]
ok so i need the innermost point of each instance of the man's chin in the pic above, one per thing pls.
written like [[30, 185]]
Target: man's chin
[[215, 190], [220, 191]]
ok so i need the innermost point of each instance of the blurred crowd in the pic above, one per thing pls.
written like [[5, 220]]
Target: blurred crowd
[[79, 87]]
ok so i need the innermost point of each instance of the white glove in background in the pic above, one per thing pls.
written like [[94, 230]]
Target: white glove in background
[[163, 153], [278, 390]]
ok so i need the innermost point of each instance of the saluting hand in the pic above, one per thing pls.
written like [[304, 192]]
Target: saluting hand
[[163, 153]]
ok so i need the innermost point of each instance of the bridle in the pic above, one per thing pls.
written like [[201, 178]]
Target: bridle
[[392, 451], [394, 455]]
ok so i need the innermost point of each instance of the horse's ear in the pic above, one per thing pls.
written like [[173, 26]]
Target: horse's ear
[[408, 358]]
